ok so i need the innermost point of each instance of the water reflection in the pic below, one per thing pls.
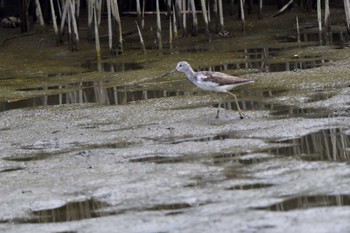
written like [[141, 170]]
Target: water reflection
[[88, 92], [10, 169], [218, 137], [305, 202], [262, 60], [325, 145], [249, 186], [32, 157], [259, 59], [172, 206], [108, 66], [70, 212], [340, 38], [102, 92], [332, 38], [291, 111], [91, 208], [158, 159]]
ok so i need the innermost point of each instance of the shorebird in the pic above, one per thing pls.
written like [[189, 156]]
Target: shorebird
[[212, 81]]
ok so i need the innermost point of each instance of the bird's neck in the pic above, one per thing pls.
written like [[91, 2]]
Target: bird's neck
[[190, 74]]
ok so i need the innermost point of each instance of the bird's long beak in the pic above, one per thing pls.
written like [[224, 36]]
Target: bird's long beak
[[166, 74]]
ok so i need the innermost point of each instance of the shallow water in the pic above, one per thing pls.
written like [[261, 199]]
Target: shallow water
[[305, 202], [72, 211], [324, 145], [256, 60]]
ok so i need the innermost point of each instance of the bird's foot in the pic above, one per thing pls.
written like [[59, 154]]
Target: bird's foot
[[217, 114], [241, 115]]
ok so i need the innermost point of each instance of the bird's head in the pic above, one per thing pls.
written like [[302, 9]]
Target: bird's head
[[182, 66]]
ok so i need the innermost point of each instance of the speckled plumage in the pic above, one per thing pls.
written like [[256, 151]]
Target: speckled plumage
[[212, 81]]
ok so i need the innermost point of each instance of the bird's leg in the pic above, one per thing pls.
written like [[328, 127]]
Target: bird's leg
[[241, 115], [218, 111]]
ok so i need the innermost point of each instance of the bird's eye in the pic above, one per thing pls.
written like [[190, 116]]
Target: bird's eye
[[180, 65]]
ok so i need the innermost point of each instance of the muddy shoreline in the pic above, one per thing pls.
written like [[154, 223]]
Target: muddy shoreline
[[126, 151]]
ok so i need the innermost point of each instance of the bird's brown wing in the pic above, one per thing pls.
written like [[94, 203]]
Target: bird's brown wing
[[223, 79]]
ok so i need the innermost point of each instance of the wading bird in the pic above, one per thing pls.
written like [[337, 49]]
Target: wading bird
[[212, 81]]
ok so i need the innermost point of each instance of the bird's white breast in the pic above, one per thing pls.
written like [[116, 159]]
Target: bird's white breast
[[205, 85], [209, 85]]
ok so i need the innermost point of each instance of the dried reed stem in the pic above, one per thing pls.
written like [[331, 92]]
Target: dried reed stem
[[319, 20], [39, 12], [221, 15], [138, 10], [260, 15], [159, 27], [115, 10], [298, 29], [184, 14], [347, 14], [109, 18], [143, 14], [141, 38], [194, 17], [174, 22], [97, 38], [75, 26], [205, 16], [170, 33], [326, 16], [242, 15], [54, 22]]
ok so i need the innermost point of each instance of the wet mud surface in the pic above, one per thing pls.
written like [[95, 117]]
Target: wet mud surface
[[105, 147]]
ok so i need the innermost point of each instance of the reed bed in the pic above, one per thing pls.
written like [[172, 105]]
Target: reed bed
[[179, 14]]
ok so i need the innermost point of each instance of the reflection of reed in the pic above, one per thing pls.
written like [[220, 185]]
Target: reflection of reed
[[103, 93], [72, 212], [261, 59], [330, 145], [98, 93], [310, 202]]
